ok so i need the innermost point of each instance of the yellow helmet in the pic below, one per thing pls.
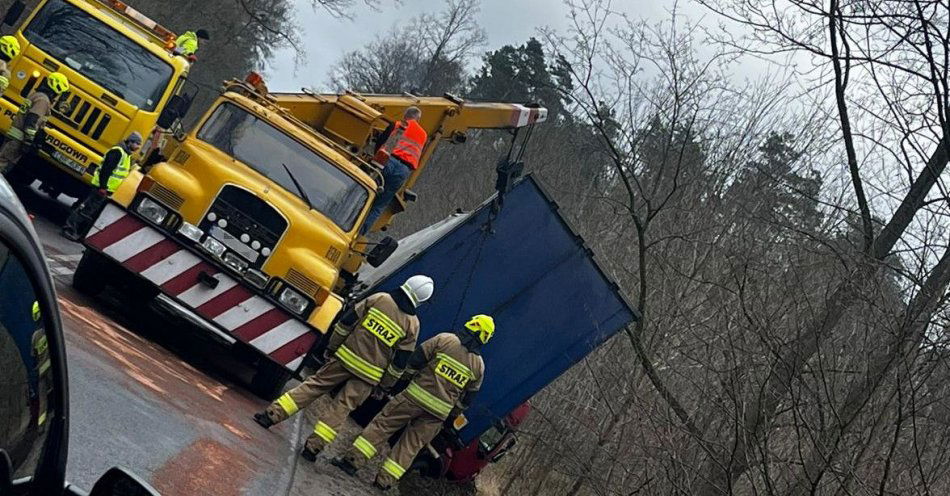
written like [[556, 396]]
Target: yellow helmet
[[58, 82], [9, 46], [483, 326]]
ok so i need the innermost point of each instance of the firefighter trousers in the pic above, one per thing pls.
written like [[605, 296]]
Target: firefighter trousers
[[332, 374], [10, 154], [421, 427]]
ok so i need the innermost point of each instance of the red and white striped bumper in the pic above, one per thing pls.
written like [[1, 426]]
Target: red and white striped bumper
[[230, 306]]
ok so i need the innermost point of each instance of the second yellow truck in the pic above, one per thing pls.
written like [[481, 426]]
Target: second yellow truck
[[123, 74]]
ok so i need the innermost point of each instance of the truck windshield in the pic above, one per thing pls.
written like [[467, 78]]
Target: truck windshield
[[102, 54], [268, 150]]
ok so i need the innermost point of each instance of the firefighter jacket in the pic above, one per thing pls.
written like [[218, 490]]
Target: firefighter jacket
[[368, 346], [4, 76], [116, 164], [38, 105], [409, 140], [450, 371]]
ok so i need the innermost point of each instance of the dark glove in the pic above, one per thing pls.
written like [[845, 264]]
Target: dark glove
[[379, 393]]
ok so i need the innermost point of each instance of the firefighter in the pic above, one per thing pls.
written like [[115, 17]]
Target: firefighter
[[403, 141], [9, 49], [116, 165], [187, 44], [31, 118], [370, 347], [42, 359], [451, 370]]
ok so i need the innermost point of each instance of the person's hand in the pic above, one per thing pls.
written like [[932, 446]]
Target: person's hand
[[103, 192]]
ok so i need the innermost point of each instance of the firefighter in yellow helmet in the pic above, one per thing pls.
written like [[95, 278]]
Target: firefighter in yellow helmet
[[9, 49], [30, 119], [451, 371], [370, 347]]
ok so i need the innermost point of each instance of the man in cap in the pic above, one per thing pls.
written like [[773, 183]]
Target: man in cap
[[115, 167]]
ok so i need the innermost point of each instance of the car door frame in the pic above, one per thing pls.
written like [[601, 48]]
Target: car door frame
[[20, 238]]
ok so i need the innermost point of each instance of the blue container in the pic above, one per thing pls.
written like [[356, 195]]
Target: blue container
[[526, 267]]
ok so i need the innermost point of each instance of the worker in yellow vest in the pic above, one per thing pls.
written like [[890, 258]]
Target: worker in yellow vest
[[451, 371], [187, 44], [115, 167]]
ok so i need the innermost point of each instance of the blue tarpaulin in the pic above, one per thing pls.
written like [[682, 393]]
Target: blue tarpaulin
[[528, 269]]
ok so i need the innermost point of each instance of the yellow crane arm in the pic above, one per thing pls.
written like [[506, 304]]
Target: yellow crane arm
[[354, 120]]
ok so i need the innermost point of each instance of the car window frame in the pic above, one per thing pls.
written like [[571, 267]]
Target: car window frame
[[50, 474]]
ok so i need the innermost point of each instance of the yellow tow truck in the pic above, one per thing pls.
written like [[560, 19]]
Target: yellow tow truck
[[124, 76], [248, 225]]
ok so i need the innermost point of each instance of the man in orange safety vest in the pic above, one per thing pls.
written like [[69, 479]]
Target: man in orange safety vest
[[403, 141]]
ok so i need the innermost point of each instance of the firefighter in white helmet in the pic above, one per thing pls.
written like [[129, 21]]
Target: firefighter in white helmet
[[451, 371], [370, 347]]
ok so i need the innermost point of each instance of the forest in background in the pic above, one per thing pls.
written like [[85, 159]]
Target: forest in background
[[784, 237]]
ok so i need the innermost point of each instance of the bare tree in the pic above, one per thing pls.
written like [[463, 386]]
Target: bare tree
[[427, 55]]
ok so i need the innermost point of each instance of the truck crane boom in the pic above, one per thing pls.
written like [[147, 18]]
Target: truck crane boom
[[353, 120]]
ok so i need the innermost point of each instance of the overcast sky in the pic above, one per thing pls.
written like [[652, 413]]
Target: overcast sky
[[505, 22]]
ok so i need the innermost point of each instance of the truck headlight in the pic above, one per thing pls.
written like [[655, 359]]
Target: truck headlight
[[213, 246], [152, 210], [190, 231], [293, 300]]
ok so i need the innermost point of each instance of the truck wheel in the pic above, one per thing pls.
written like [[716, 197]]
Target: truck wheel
[[269, 380], [90, 276]]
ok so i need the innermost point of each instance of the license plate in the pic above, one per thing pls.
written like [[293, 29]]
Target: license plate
[[71, 164], [234, 243]]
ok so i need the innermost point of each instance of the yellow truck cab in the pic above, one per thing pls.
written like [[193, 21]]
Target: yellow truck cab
[[122, 72], [249, 222]]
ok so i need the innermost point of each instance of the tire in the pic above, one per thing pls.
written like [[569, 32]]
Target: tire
[[269, 380], [89, 276]]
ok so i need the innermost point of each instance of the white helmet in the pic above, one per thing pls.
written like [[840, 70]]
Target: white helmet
[[418, 289]]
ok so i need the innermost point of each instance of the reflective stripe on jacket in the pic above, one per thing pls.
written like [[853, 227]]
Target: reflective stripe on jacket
[[120, 172], [450, 371], [408, 146], [369, 345]]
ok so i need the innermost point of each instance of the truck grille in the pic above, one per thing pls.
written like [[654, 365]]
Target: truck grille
[[302, 282], [82, 115], [166, 196], [246, 214]]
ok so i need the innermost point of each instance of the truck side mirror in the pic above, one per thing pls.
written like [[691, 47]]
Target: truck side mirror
[[14, 12], [174, 110], [382, 251], [118, 481]]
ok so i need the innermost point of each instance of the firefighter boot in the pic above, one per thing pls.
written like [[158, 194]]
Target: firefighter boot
[[310, 456], [263, 419], [344, 465], [383, 489]]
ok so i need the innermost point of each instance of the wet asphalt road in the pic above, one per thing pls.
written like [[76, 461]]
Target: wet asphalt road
[[150, 397]]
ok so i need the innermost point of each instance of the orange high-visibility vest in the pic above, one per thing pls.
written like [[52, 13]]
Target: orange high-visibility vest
[[408, 147]]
